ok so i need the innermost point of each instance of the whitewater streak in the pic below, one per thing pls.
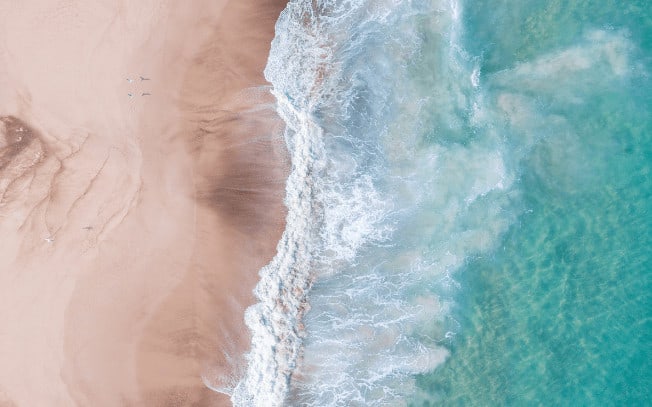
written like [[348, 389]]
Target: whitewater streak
[[276, 321]]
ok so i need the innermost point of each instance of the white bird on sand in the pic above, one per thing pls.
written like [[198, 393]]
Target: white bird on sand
[[49, 239], [129, 80], [143, 78]]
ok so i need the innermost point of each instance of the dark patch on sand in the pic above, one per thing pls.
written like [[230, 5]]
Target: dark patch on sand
[[245, 181], [17, 136], [234, 133]]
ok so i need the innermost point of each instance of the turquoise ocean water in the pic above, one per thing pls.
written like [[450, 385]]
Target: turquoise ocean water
[[560, 313], [469, 208]]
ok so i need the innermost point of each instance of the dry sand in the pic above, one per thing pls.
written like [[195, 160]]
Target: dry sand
[[132, 228]]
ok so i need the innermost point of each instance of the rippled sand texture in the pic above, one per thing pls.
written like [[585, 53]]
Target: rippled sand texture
[[134, 214]]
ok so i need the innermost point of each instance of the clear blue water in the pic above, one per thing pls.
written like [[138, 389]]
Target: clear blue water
[[560, 313], [469, 206]]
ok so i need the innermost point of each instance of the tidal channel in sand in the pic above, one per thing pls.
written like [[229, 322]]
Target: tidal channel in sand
[[132, 226]]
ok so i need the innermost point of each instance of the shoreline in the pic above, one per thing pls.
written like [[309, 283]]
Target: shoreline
[[137, 238]]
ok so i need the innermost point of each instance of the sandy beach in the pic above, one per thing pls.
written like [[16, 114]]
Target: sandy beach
[[142, 173]]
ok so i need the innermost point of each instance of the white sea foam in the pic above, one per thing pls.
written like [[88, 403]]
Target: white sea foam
[[358, 299]]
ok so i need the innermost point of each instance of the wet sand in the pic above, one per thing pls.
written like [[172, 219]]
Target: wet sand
[[132, 227]]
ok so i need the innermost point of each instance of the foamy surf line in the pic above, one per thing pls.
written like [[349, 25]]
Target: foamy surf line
[[357, 300]]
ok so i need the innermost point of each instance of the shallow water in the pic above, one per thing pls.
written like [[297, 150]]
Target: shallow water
[[560, 313], [468, 210]]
